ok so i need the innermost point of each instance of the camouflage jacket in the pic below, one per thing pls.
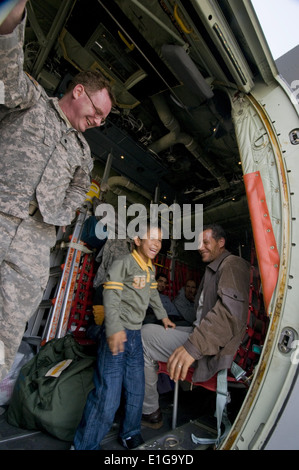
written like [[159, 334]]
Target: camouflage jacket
[[42, 157]]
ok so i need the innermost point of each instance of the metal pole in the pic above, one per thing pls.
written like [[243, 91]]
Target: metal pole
[[175, 404], [104, 180]]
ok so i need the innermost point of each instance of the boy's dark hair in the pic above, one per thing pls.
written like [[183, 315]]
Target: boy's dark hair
[[147, 225], [217, 231], [144, 228]]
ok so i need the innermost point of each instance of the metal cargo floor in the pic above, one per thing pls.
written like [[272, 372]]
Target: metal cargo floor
[[195, 415]]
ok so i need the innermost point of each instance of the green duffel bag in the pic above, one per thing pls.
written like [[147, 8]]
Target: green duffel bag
[[52, 388]]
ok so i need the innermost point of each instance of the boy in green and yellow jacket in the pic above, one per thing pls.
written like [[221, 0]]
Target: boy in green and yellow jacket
[[128, 290]]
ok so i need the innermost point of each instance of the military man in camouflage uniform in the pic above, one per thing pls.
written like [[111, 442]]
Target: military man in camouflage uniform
[[45, 170]]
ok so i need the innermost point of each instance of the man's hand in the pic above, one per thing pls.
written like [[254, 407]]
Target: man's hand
[[116, 342], [179, 363], [168, 323]]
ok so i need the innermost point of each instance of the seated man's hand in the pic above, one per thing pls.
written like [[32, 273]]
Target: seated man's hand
[[168, 323], [179, 363]]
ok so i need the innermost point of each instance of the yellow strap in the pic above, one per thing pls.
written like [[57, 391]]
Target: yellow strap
[[180, 22], [122, 37]]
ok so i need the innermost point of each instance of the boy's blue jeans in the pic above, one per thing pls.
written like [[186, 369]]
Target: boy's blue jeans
[[125, 371]]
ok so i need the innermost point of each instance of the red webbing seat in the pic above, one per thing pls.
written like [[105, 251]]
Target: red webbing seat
[[210, 384]]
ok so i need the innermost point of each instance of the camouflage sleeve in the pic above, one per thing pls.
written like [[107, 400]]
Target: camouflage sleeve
[[75, 196], [76, 193], [18, 88]]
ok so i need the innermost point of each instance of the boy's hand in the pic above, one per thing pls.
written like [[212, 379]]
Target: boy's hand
[[168, 323], [116, 342]]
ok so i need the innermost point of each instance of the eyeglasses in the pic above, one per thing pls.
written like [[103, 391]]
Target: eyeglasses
[[98, 112]]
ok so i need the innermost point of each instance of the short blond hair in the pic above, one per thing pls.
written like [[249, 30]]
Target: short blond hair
[[93, 81]]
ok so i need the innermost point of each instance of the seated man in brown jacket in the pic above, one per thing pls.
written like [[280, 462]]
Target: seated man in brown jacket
[[212, 341]]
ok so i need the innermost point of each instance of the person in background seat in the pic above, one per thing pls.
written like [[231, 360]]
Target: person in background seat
[[173, 314], [184, 303]]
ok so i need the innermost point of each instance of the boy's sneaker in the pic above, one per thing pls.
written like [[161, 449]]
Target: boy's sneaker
[[131, 442]]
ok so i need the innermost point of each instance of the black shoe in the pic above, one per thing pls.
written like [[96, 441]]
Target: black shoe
[[131, 442], [153, 420]]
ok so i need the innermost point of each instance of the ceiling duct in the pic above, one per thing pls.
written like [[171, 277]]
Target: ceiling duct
[[121, 186], [175, 136], [186, 71]]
